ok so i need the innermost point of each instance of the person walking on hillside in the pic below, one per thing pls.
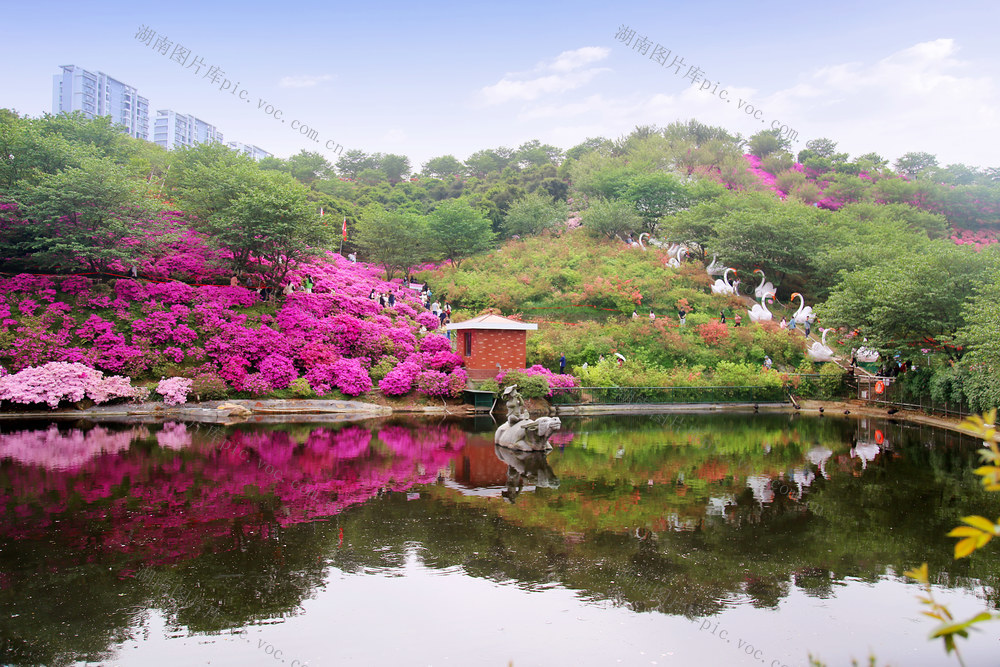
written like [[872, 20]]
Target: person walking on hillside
[[681, 314], [635, 314], [807, 327], [652, 316], [737, 320], [392, 299], [562, 364], [722, 317], [767, 363], [307, 284]]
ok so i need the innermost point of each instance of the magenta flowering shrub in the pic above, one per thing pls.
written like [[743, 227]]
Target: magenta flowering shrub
[[432, 383], [457, 382], [333, 336], [347, 375], [256, 384], [75, 285], [435, 343], [57, 381], [443, 361], [429, 320], [400, 379], [556, 380], [278, 370]]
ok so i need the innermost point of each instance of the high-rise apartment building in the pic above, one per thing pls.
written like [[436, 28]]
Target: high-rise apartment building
[[256, 152], [175, 130], [97, 94]]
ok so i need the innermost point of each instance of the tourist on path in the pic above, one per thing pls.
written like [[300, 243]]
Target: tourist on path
[[652, 316], [722, 317], [681, 314], [737, 320], [562, 364]]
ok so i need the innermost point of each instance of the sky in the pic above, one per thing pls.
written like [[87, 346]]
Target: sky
[[436, 78]]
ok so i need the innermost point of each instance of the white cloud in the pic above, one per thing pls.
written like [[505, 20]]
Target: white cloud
[[570, 60], [561, 75], [303, 80]]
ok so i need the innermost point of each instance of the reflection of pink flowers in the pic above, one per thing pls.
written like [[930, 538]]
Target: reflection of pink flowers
[[166, 506]]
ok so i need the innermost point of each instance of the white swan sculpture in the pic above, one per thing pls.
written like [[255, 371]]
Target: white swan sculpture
[[759, 312], [820, 351], [804, 312], [716, 268], [675, 262], [641, 244], [722, 286], [866, 355], [763, 288]]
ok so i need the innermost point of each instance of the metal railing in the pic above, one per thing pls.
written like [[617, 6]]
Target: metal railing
[[668, 395], [895, 395]]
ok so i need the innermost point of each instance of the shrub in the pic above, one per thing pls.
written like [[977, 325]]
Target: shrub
[[399, 380], [432, 383], [278, 370], [174, 390], [382, 368], [208, 386], [489, 385], [300, 388], [58, 380], [830, 382]]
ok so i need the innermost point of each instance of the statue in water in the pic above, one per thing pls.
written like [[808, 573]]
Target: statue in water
[[520, 431]]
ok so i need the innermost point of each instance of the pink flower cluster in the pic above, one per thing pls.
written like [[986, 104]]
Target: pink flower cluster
[[980, 239], [556, 380], [174, 390], [58, 381], [331, 336]]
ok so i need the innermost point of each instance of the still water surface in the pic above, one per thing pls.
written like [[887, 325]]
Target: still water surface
[[705, 540]]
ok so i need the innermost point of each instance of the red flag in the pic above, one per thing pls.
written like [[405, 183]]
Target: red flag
[[345, 228]]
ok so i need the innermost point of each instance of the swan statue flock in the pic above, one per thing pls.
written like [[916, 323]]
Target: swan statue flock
[[675, 262]]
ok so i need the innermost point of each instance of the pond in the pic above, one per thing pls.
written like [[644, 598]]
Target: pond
[[736, 539]]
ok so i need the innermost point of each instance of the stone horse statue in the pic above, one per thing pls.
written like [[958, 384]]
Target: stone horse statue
[[520, 431]]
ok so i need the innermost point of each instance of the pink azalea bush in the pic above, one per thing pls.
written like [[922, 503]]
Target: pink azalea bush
[[556, 380], [58, 381], [174, 390], [181, 318]]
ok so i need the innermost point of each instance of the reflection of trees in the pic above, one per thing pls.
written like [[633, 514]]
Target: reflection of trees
[[67, 592]]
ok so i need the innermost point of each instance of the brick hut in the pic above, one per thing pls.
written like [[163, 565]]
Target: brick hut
[[488, 340]]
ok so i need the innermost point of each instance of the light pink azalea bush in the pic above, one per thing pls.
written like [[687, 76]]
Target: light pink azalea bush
[[58, 381], [174, 390]]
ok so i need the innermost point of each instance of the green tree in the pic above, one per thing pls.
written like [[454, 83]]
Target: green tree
[[913, 163], [598, 145], [911, 300], [269, 225], [395, 167], [533, 214], [781, 241], [395, 240], [458, 231], [766, 142], [535, 153], [611, 218], [445, 165], [980, 338], [656, 195], [94, 214], [354, 161], [307, 168], [489, 160]]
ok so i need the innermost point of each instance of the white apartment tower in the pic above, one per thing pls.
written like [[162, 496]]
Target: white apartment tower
[[255, 152], [175, 130], [97, 94]]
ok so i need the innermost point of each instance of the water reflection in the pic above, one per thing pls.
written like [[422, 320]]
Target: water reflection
[[243, 525]]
